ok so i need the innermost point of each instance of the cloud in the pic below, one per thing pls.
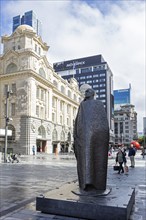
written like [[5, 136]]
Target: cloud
[[115, 29]]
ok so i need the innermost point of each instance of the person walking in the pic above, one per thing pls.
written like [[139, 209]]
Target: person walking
[[120, 160], [33, 150], [131, 155]]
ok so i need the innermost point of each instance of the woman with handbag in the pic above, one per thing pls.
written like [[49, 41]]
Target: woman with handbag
[[120, 160]]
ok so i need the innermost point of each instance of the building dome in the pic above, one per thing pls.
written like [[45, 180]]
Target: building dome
[[25, 27]]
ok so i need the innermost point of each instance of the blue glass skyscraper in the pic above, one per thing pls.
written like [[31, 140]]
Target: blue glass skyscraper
[[28, 18], [122, 97]]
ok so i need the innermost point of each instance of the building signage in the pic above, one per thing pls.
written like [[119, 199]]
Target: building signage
[[74, 64], [2, 132]]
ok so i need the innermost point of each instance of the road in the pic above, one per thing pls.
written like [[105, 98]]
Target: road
[[22, 182]]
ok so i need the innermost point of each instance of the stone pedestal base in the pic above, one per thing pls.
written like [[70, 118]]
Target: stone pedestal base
[[62, 201]]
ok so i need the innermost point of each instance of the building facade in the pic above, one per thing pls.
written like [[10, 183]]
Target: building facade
[[29, 18], [122, 97], [42, 105], [125, 125], [95, 72]]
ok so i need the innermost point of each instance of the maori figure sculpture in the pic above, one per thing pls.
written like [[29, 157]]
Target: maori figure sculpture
[[91, 140]]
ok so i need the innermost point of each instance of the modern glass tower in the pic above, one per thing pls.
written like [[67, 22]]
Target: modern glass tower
[[30, 19], [122, 97], [95, 72]]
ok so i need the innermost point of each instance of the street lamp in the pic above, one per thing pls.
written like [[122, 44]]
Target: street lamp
[[7, 119]]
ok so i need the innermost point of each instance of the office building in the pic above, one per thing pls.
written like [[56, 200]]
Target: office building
[[94, 72], [42, 105], [125, 125], [122, 97], [29, 18]]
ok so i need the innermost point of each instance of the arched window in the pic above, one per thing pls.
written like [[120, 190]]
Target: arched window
[[42, 72], [11, 127], [69, 93], [75, 97], [62, 136], [11, 68], [62, 89], [54, 135], [55, 83], [41, 132]]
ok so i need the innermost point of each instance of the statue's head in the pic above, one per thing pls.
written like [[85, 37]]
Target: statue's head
[[89, 93]]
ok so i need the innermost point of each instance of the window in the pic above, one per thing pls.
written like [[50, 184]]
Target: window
[[116, 128], [53, 117], [102, 95], [38, 91], [89, 81], [121, 127], [42, 112], [69, 93], [35, 47], [39, 50], [68, 109], [11, 68], [42, 95], [61, 106], [102, 85], [12, 109], [62, 89], [95, 80], [5, 89], [102, 90], [11, 127], [95, 75], [88, 77], [95, 86], [37, 110], [82, 77], [75, 97], [55, 83], [102, 74], [42, 72], [54, 102], [95, 68], [14, 89], [86, 70], [77, 71], [102, 80], [68, 122]]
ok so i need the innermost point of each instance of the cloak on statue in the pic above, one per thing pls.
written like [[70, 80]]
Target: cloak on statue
[[91, 141]]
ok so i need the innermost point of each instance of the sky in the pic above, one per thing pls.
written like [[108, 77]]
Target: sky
[[81, 28]]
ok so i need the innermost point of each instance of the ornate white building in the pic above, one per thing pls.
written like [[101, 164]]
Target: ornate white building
[[43, 105]]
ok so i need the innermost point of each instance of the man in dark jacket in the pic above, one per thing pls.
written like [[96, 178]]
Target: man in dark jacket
[[131, 155]]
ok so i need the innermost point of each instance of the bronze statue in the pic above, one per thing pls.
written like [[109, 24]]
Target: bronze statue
[[91, 140]]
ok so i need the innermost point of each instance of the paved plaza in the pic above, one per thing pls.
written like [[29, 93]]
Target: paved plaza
[[33, 176]]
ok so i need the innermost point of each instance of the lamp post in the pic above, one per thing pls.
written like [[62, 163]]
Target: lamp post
[[7, 119]]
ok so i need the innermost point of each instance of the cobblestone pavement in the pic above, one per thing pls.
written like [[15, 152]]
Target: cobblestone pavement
[[22, 182]]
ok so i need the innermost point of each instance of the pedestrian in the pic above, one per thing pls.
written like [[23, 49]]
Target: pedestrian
[[33, 150], [120, 160], [131, 155], [142, 152]]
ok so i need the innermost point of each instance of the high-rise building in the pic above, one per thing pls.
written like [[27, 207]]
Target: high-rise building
[[122, 97], [125, 125], [95, 72], [30, 19], [43, 105]]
